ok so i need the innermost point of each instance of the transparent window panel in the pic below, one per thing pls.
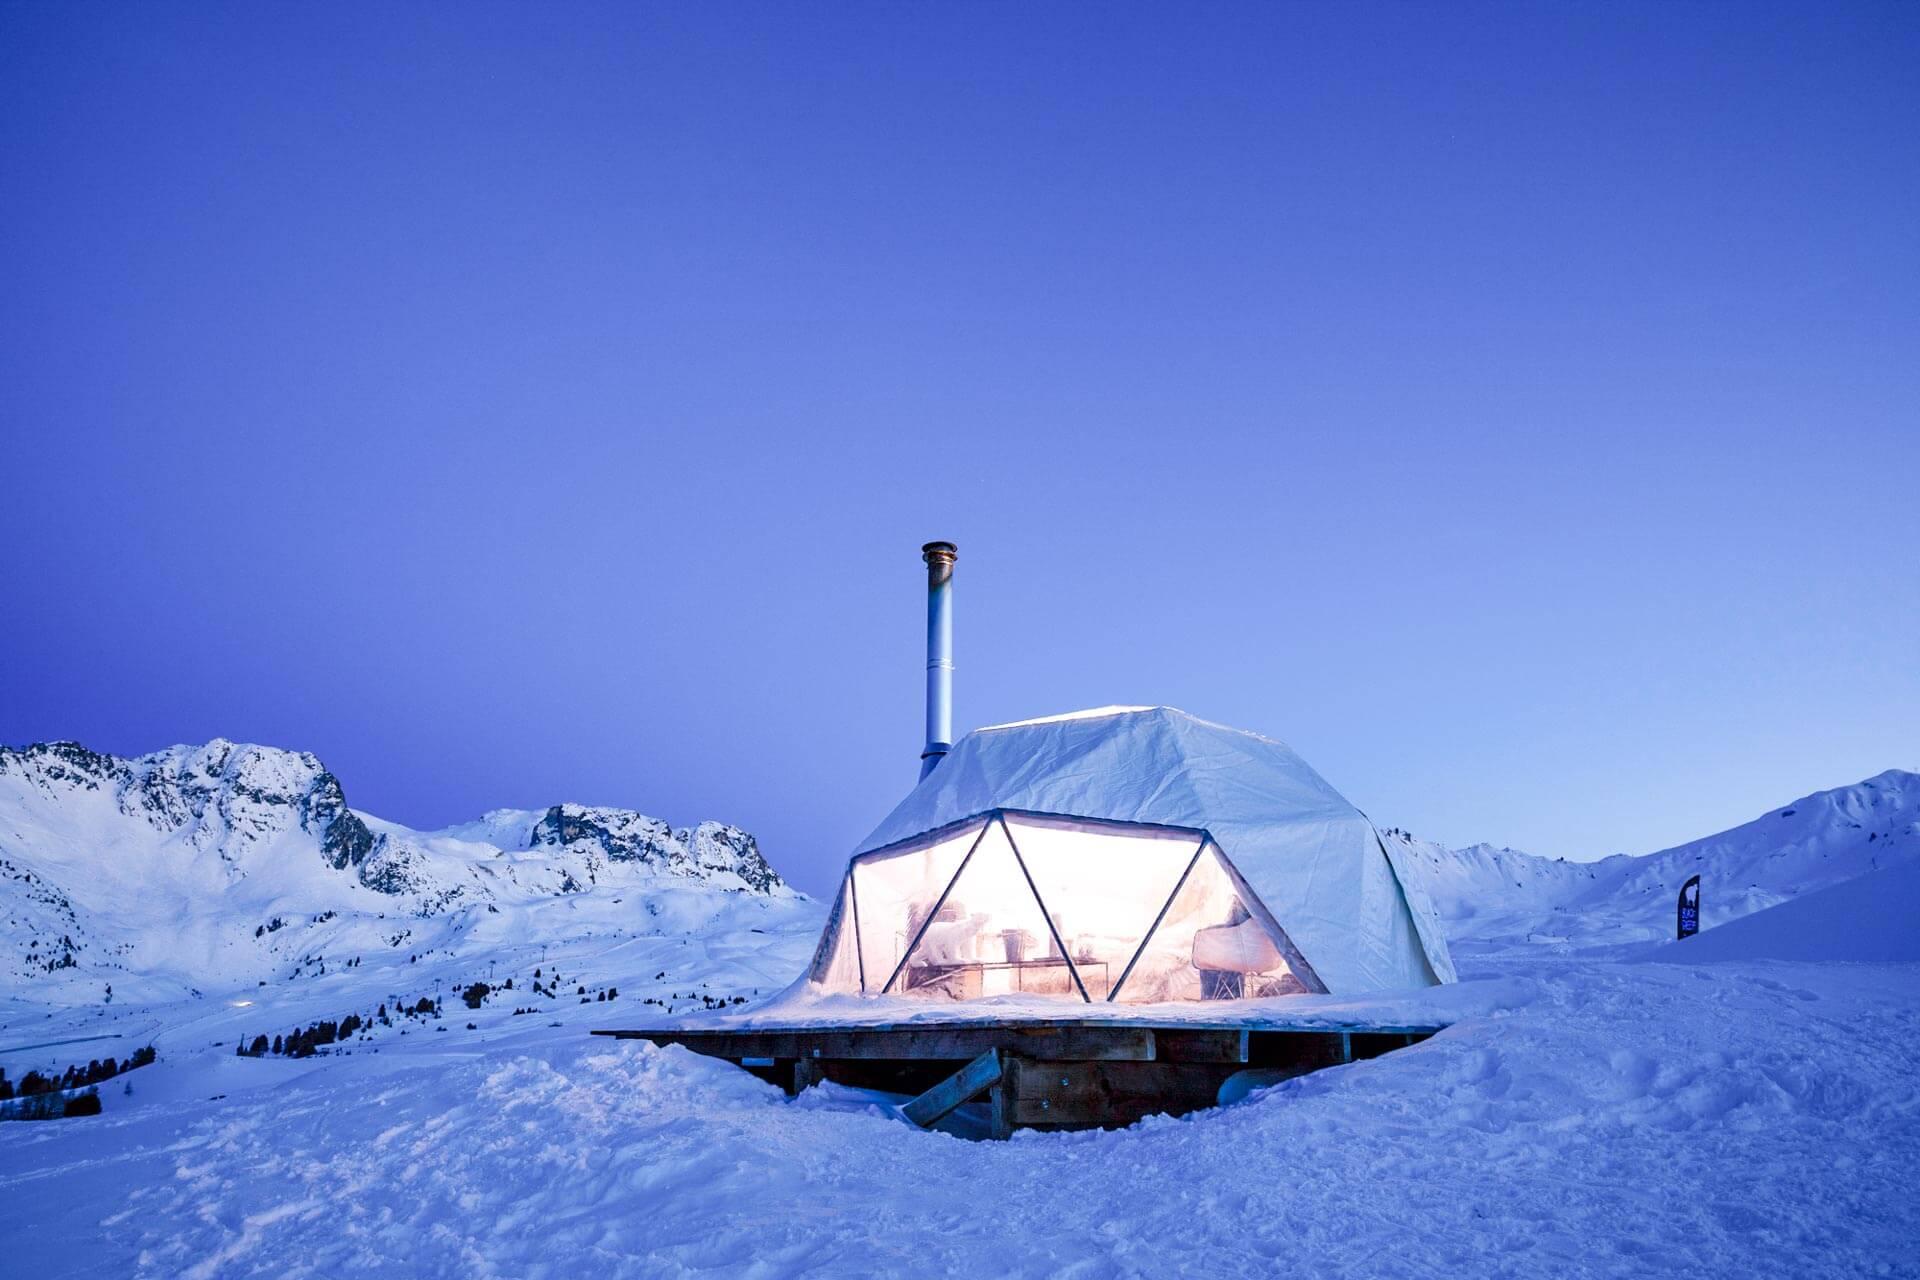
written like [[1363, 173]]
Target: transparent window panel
[[989, 938], [836, 966], [1102, 884], [894, 893], [1209, 946]]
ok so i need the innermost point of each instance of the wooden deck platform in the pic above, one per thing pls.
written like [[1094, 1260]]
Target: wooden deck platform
[[1068, 1074]]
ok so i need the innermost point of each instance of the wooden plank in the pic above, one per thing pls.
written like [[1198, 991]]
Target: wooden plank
[[806, 1074], [1062, 1095], [1121, 1044], [964, 1085], [1182, 1044], [1134, 1043]]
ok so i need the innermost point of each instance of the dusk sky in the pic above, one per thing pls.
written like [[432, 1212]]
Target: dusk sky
[[1513, 408]]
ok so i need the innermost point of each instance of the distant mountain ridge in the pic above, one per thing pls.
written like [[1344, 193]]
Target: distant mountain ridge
[[1494, 898], [227, 866], [230, 862]]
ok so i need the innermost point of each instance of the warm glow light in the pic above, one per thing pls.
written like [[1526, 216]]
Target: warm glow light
[[1038, 905]]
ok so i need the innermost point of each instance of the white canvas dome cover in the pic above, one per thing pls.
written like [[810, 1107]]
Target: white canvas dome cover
[[1315, 892]]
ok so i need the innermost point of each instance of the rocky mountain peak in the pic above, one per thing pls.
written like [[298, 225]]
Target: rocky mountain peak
[[125, 869], [622, 835]]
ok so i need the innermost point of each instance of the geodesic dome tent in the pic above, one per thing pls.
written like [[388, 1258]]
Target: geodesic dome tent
[[1127, 854]]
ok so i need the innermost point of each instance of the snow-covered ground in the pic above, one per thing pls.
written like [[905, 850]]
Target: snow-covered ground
[[1584, 1118], [1744, 1103]]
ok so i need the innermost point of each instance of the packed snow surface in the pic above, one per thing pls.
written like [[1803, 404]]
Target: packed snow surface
[[1749, 1105], [1587, 1118]]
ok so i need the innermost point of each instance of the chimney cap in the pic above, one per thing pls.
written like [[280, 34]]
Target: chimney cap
[[939, 551]]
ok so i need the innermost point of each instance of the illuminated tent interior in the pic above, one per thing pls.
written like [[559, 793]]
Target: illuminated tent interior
[[1126, 855]]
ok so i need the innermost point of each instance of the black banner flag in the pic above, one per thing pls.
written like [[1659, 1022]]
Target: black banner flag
[[1690, 908]]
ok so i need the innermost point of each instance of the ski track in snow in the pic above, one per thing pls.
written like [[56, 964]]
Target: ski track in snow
[[1595, 1119]]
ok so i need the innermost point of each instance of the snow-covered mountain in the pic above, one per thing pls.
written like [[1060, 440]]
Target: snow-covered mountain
[[224, 867], [227, 866], [1494, 898]]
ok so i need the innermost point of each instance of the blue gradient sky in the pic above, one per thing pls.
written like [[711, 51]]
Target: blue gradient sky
[[1511, 407]]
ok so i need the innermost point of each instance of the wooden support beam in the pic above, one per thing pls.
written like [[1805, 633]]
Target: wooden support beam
[[1077, 1095], [964, 1085], [1048, 1074], [1205, 1044]]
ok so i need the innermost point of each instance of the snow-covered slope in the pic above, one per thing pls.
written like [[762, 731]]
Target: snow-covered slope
[[1494, 898], [227, 866], [1581, 1117], [1872, 919]]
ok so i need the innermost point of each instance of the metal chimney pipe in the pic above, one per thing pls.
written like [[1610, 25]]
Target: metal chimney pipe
[[940, 557]]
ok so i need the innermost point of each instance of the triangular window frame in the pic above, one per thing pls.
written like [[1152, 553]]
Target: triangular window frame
[[997, 818], [1296, 962]]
